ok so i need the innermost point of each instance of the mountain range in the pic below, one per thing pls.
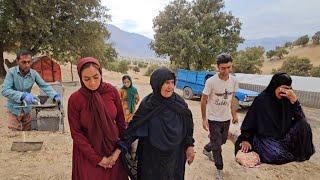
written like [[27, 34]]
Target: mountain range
[[136, 45]]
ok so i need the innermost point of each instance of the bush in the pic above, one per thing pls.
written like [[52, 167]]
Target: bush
[[123, 67], [142, 65], [296, 66], [150, 69], [315, 71], [136, 69], [302, 41]]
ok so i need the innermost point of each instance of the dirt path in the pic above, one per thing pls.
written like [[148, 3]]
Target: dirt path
[[54, 160]]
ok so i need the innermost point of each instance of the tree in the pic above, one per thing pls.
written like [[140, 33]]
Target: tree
[[296, 66], [315, 71], [281, 51], [288, 44], [192, 34], [249, 61], [302, 41], [315, 39], [65, 30], [271, 53]]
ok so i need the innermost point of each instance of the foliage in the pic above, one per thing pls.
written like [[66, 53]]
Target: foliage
[[315, 71], [296, 66], [302, 41], [288, 44], [193, 33], [249, 60], [316, 39], [142, 65], [151, 68], [64, 30], [279, 52], [136, 69]]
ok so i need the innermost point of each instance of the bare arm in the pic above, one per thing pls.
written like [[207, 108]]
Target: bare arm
[[204, 100], [234, 104]]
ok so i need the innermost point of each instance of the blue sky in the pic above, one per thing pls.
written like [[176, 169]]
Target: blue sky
[[260, 18]]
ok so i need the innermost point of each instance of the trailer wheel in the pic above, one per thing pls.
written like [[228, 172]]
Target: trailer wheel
[[187, 93]]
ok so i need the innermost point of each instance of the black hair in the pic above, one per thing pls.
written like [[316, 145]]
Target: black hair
[[224, 58], [23, 53]]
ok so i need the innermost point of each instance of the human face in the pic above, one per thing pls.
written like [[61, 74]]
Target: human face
[[225, 69], [24, 63], [282, 90], [91, 77], [126, 83], [167, 88]]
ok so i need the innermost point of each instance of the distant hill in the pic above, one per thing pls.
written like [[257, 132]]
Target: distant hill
[[130, 44], [310, 52], [267, 43]]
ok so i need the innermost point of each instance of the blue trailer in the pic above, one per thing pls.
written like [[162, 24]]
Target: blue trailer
[[192, 84]]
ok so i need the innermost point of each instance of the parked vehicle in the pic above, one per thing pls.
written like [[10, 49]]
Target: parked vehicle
[[192, 84]]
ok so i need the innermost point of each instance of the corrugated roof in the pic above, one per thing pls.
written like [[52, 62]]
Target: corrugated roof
[[311, 84]]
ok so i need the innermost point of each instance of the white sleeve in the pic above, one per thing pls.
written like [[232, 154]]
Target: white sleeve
[[236, 85], [207, 87]]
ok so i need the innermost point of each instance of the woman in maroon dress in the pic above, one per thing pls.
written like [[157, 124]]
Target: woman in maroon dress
[[96, 119]]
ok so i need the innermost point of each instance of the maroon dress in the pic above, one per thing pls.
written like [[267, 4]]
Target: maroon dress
[[85, 158]]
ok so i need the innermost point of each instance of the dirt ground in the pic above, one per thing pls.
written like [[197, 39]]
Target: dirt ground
[[53, 161]]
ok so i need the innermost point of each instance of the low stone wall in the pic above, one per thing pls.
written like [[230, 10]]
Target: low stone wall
[[306, 98]]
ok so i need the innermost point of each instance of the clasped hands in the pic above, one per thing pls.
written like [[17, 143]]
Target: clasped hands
[[109, 162]]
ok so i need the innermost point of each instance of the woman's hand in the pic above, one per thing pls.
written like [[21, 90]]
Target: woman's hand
[[190, 154], [106, 163], [114, 157], [245, 146]]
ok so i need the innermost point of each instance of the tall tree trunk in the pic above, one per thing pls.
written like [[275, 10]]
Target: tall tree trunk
[[71, 71], [2, 70]]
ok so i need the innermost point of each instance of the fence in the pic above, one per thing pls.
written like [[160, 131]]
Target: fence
[[306, 98]]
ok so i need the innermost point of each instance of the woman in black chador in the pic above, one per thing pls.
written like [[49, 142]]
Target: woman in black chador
[[275, 126], [164, 126]]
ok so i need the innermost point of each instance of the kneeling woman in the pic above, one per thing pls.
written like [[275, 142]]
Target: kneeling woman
[[275, 126], [164, 126]]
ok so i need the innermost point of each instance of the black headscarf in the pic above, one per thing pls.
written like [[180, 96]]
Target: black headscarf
[[269, 116], [168, 125]]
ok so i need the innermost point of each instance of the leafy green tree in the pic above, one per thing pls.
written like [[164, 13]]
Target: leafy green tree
[[315, 71], [296, 66], [302, 41], [123, 67], [151, 68], [249, 61], [270, 53], [192, 34], [288, 44], [65, 30]]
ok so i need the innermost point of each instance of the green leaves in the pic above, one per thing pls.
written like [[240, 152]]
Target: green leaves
[[192, 34], [296, 66], [249, 61]]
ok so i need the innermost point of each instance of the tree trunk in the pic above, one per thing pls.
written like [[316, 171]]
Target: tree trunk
[[71, 71], [2, 70]]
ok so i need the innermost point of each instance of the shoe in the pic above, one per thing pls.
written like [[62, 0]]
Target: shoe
[[219, 174], [208, 154]]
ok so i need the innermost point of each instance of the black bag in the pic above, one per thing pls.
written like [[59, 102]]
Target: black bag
[[131, 162]]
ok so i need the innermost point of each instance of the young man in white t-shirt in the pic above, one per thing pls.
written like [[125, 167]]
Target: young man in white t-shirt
[[218, 107]]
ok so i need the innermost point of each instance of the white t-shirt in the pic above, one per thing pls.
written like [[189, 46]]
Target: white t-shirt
[[220, 93]]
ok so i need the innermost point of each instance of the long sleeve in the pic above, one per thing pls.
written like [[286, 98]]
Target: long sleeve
[[79, 139], [189, 140], [8, 90], [45, 86], [298, 113], [120, 115]]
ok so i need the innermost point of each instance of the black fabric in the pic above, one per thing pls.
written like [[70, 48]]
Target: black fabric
[[279, 122], [269, 116], [164, 136]]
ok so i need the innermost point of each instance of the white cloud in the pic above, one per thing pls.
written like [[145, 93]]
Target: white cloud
[[135, 15], [260, 18]]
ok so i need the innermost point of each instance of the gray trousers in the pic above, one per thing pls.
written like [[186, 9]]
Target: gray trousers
[[218, 137]]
